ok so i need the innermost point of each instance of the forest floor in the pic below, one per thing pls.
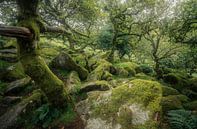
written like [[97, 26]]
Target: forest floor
[[118, 95]]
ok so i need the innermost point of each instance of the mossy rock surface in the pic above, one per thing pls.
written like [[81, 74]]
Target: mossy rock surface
[[169, 91], [10, 118], [102, 71], [144, 76], [14, 72], [126, 69], [95, 86], [73, 82], [65, 61], [131, 105]]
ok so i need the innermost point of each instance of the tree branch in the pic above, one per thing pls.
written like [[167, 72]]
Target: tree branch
[[23, 32], [17, 32]]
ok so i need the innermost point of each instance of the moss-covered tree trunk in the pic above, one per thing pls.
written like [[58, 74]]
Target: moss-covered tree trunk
[[28, 50]]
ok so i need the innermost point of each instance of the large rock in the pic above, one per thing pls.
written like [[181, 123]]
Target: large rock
[[64, 61], [103, 71], [95, 86], [133, 104], [9, 119], [73, 82], [16, 86], [127, 69], [13, 73]]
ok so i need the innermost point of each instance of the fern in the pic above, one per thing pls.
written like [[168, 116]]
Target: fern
[[45, 115], [182, 119]]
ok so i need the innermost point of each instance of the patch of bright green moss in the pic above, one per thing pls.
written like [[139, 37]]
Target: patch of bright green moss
[[100, 72], [130, 67], [143, 92]]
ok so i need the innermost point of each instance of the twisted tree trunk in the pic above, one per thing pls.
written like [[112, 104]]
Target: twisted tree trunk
[[29, 55]]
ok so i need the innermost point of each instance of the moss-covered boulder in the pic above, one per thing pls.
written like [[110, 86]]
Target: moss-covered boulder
[[73, 82], [103, 71], [64, 61], [134, 104], [127, 69], [144, 76], [94, 86], [9, 119], [13, 73], [169, 91]]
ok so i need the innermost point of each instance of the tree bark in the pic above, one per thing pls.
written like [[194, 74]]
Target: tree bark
[[28, 52]]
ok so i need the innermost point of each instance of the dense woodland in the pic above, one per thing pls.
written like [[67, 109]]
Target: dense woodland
[[98, 64]]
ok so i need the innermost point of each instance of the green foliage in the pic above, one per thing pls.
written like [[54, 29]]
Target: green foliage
[[169, 91], [44, 115], [2, 87], [68, 116], [182, 119], [146, 69], [105, 38], [4, 64], [123, 46]]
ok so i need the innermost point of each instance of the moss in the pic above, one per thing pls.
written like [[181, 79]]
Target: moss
[[172, 78], [4, 64], [177, 81], [49, 53], [14, 72], [29, 55], [2, 87], [73, 82], [37, 69], [79, 59], [125, 117], [146, 93], [107, 76], [100, 73], [130, 67], [65, 61], [144, 76], [171, 102], [94, 86], [169, 91], [191, 105]]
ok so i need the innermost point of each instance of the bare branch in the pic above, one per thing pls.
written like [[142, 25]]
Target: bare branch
[[17, 32]]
